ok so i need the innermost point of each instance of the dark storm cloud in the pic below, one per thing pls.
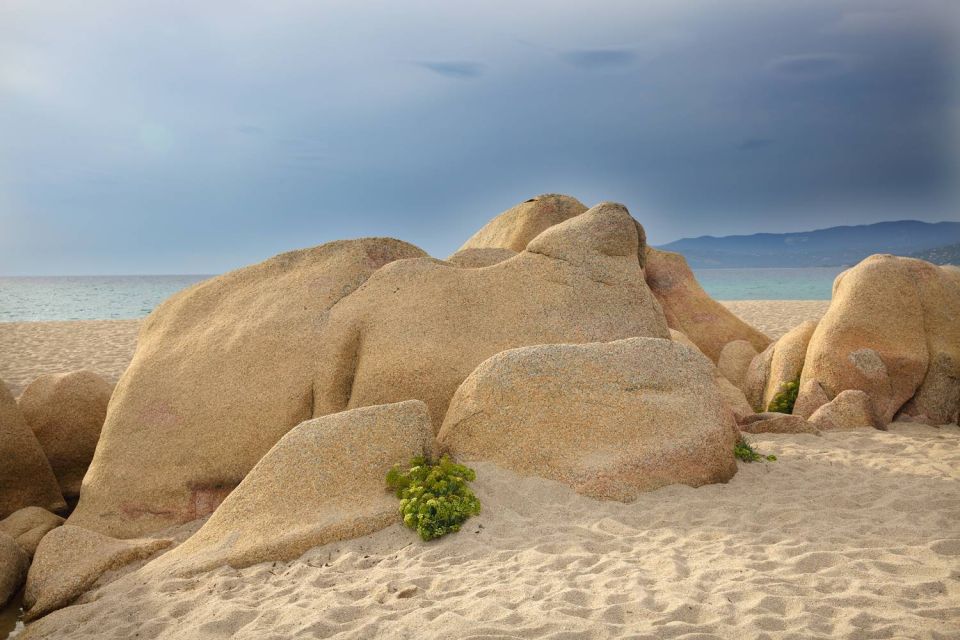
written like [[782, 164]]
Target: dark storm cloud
[[139, 137], [454, 69], [600, 59]]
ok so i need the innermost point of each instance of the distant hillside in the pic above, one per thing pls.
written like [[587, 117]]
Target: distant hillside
[[949, 254], [833, 247]]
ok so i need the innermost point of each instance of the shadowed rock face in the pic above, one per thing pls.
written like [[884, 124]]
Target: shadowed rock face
[[26, 478], [417, 328], [222, 370], [611, 420], [892, 332], [689, 309]]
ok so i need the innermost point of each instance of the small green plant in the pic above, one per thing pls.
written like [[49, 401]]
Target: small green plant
[[434, 497], [785, 399], [743, 450]]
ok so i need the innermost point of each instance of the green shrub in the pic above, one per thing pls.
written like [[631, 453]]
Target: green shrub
[[743, 450], [434, 497], [785, 399]]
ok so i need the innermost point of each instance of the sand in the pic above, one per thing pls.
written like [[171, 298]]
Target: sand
[[848, 535], [776, 317], [30, 349]]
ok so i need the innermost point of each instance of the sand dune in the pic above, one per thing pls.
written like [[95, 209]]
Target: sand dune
[[848, 535]]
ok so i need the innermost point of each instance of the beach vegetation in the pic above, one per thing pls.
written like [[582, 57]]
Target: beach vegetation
[[784, 400], [743, 450], [435, 497]]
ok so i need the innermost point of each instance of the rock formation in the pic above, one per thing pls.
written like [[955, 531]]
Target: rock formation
[[892, 332], [734, 361], [516, 227], [417, 328], [851, 409], [26, 478], [611, 420], [324, 481], [28, 525], [14, 562], [787, 359], [222, 370], [773, 422], [66, 412]]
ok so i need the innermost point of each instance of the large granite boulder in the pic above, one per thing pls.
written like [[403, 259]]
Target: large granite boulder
[[28, 526], [516, 227], [69, 561], [222, 370], [323, 481], [14, 562], [611, 420], [892, 332], [691, 310], [417, 328], [26, 478], [480, 257], [66, 412]]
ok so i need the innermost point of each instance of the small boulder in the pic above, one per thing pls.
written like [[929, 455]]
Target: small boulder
[[735, 359], [773, 422], [851, 409], [755, 379], [323, 481], [733, 398], [26, 478], [14, 562], [69, 561], [612, 420], [66, 412], [28, 525]]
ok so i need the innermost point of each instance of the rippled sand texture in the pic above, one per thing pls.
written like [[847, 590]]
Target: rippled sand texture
[[776, 317], [29, 349], [848, 535]]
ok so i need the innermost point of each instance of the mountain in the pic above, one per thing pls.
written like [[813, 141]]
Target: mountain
[[949, 254], [833, 247]]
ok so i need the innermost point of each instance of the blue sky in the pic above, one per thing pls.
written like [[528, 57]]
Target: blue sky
[[195, 137]]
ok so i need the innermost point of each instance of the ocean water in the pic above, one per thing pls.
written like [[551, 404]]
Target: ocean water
[[86, 297], [122, 297], [814, 283]]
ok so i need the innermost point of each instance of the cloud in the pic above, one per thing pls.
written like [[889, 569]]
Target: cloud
[[753, 144], [453, 69], [811, 65], [600, 59]]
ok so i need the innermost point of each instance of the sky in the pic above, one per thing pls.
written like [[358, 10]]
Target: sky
[[197, 137]]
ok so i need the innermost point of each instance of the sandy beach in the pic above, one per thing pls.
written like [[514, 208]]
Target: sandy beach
[[30, 349], [848, 535]]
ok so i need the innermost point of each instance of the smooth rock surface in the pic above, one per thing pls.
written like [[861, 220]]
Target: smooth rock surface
[[69, 561], [417, 328], [222, 370], [323, 481], [26, 478], [66, 413], [612, 420], [516, 227], [480, 257]]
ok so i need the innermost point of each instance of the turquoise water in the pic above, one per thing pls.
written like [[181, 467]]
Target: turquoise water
[[86, 297], [122, 297], [813, 283]]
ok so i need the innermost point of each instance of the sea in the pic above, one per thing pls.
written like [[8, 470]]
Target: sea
[[40, 298]]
